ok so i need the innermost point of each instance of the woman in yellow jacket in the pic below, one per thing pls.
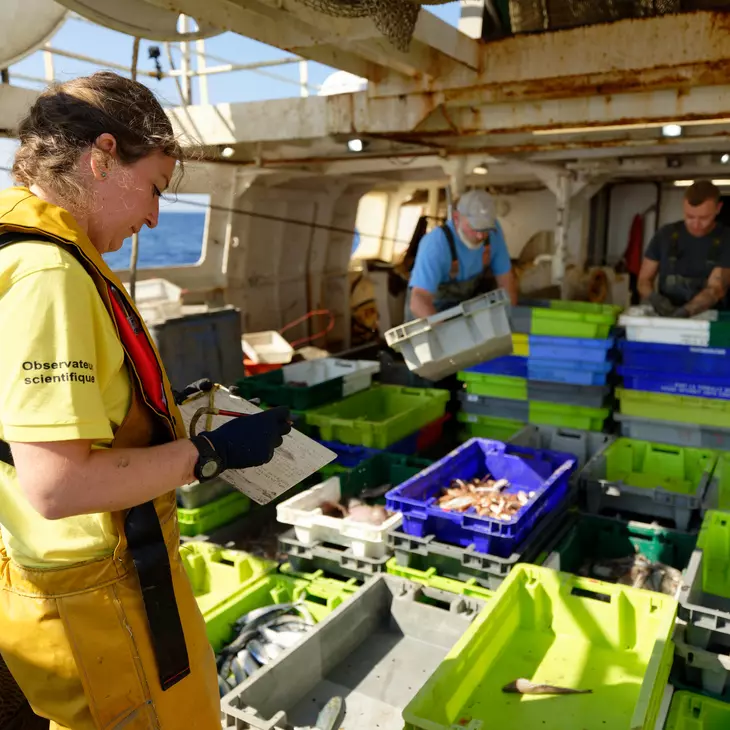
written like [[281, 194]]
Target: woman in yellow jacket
[[98, 623]]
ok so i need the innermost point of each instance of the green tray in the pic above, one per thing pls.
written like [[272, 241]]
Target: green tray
[[385, 468], [690, 711], [557, 414], [647, 465], [486, 427], [219, 577], [272, 389], [495, 386], [431, 579], [379, 416], [321, 595], [213, 515], [681, 408], [714, 541], [554, 628], [574, 319], [604, 538]]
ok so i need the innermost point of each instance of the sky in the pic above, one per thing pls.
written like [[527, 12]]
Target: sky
[[113, 47]]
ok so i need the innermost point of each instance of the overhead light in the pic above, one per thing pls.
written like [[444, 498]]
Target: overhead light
[[227, 152], [671, 130], [725, 159], [355, 145], [480, 170], [724, 182]]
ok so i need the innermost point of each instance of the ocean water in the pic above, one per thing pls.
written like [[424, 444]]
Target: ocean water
[[177, 239]]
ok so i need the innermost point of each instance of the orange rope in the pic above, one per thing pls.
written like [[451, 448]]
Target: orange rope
[[307, 316]]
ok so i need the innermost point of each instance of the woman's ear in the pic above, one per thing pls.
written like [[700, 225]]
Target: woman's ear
[[103, 154]]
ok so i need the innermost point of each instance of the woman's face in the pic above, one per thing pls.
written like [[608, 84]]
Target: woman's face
[[126, 198]]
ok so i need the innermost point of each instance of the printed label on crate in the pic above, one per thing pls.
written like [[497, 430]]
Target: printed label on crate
[[296, 459], [472, 398]]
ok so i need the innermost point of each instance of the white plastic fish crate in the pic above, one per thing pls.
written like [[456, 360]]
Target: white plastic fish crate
[[266, 348], [375, 651], [157, 300], [642, 326], [356, 375], [444, 343], [311, 526]]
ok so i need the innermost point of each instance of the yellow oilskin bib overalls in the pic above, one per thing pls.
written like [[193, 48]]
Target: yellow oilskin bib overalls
[[117, 642]]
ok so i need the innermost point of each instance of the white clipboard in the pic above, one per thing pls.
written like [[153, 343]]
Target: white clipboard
[[296, 459]]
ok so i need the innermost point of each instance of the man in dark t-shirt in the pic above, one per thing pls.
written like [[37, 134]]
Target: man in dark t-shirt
[[690, 258]]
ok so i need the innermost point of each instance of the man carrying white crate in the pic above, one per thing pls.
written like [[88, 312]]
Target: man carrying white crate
[[461, 259], [690, 258]]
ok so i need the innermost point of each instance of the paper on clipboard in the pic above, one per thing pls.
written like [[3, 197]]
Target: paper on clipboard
[[296, 459]]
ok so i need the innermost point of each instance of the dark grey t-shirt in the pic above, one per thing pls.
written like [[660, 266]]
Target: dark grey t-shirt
[[692, 252]]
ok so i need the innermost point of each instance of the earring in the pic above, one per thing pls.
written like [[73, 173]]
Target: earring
[[103, 174]]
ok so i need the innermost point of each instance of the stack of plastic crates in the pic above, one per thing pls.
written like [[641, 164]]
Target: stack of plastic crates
[[468, 545], [676, 380], [564, 380]]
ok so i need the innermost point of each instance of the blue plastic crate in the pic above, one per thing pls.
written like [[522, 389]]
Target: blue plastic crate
[[569, 371], [512, 366], [347, 455], [676, 383], [675, 358], [572, 348], [547, 473]]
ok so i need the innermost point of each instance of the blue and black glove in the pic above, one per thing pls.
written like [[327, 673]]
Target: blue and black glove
[[249, 440]]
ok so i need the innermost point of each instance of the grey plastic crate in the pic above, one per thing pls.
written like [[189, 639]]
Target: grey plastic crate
[[205, 345], [332, 559], [582, 444], [671, 432], [601, 494], [588, 396], [707, 615], [488, 571], [375, 651], [479, 405], [196, 494], [520, 320], [699, 669]]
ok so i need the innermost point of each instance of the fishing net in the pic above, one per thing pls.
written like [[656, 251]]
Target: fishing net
[[395, 19], [536, 15]]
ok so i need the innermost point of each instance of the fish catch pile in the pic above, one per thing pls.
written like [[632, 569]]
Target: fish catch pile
[[636, 571], [357, 509], [487, 496], [260, 637]]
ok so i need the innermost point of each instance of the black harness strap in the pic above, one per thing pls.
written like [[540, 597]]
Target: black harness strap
[[674, 249], [454, 272], [151, 561]]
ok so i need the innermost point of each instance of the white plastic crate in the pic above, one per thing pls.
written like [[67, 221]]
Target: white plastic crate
[[267, 348], [644, 326], [157, 300], [473, 332], [356, 375], [304, 512]]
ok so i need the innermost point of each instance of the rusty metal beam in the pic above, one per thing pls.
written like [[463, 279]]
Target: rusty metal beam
[[351, 44]]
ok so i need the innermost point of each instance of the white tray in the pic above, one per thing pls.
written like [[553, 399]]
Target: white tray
[[310, 525], [356, 375], [642, 325], [267, 347], [473, 332]]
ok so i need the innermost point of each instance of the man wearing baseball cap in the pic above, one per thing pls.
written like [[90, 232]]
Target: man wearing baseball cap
[[465, 257]]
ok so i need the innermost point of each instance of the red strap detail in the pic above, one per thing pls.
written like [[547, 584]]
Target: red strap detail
[[140, 351]]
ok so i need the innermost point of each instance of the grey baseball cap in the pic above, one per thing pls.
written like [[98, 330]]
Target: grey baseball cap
[[478, 207]]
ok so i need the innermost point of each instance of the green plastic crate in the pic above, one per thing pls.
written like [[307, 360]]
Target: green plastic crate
[[219, 577], [485, 427], [270, 387], [718, 497], [690, 711], [211, 516], [494, 386], [558, 414], [604, 538], [384, 468], [554, 628], [431, 579], [714, 541], [677, 408], [380, 416], [574, 319], [321, 595]]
